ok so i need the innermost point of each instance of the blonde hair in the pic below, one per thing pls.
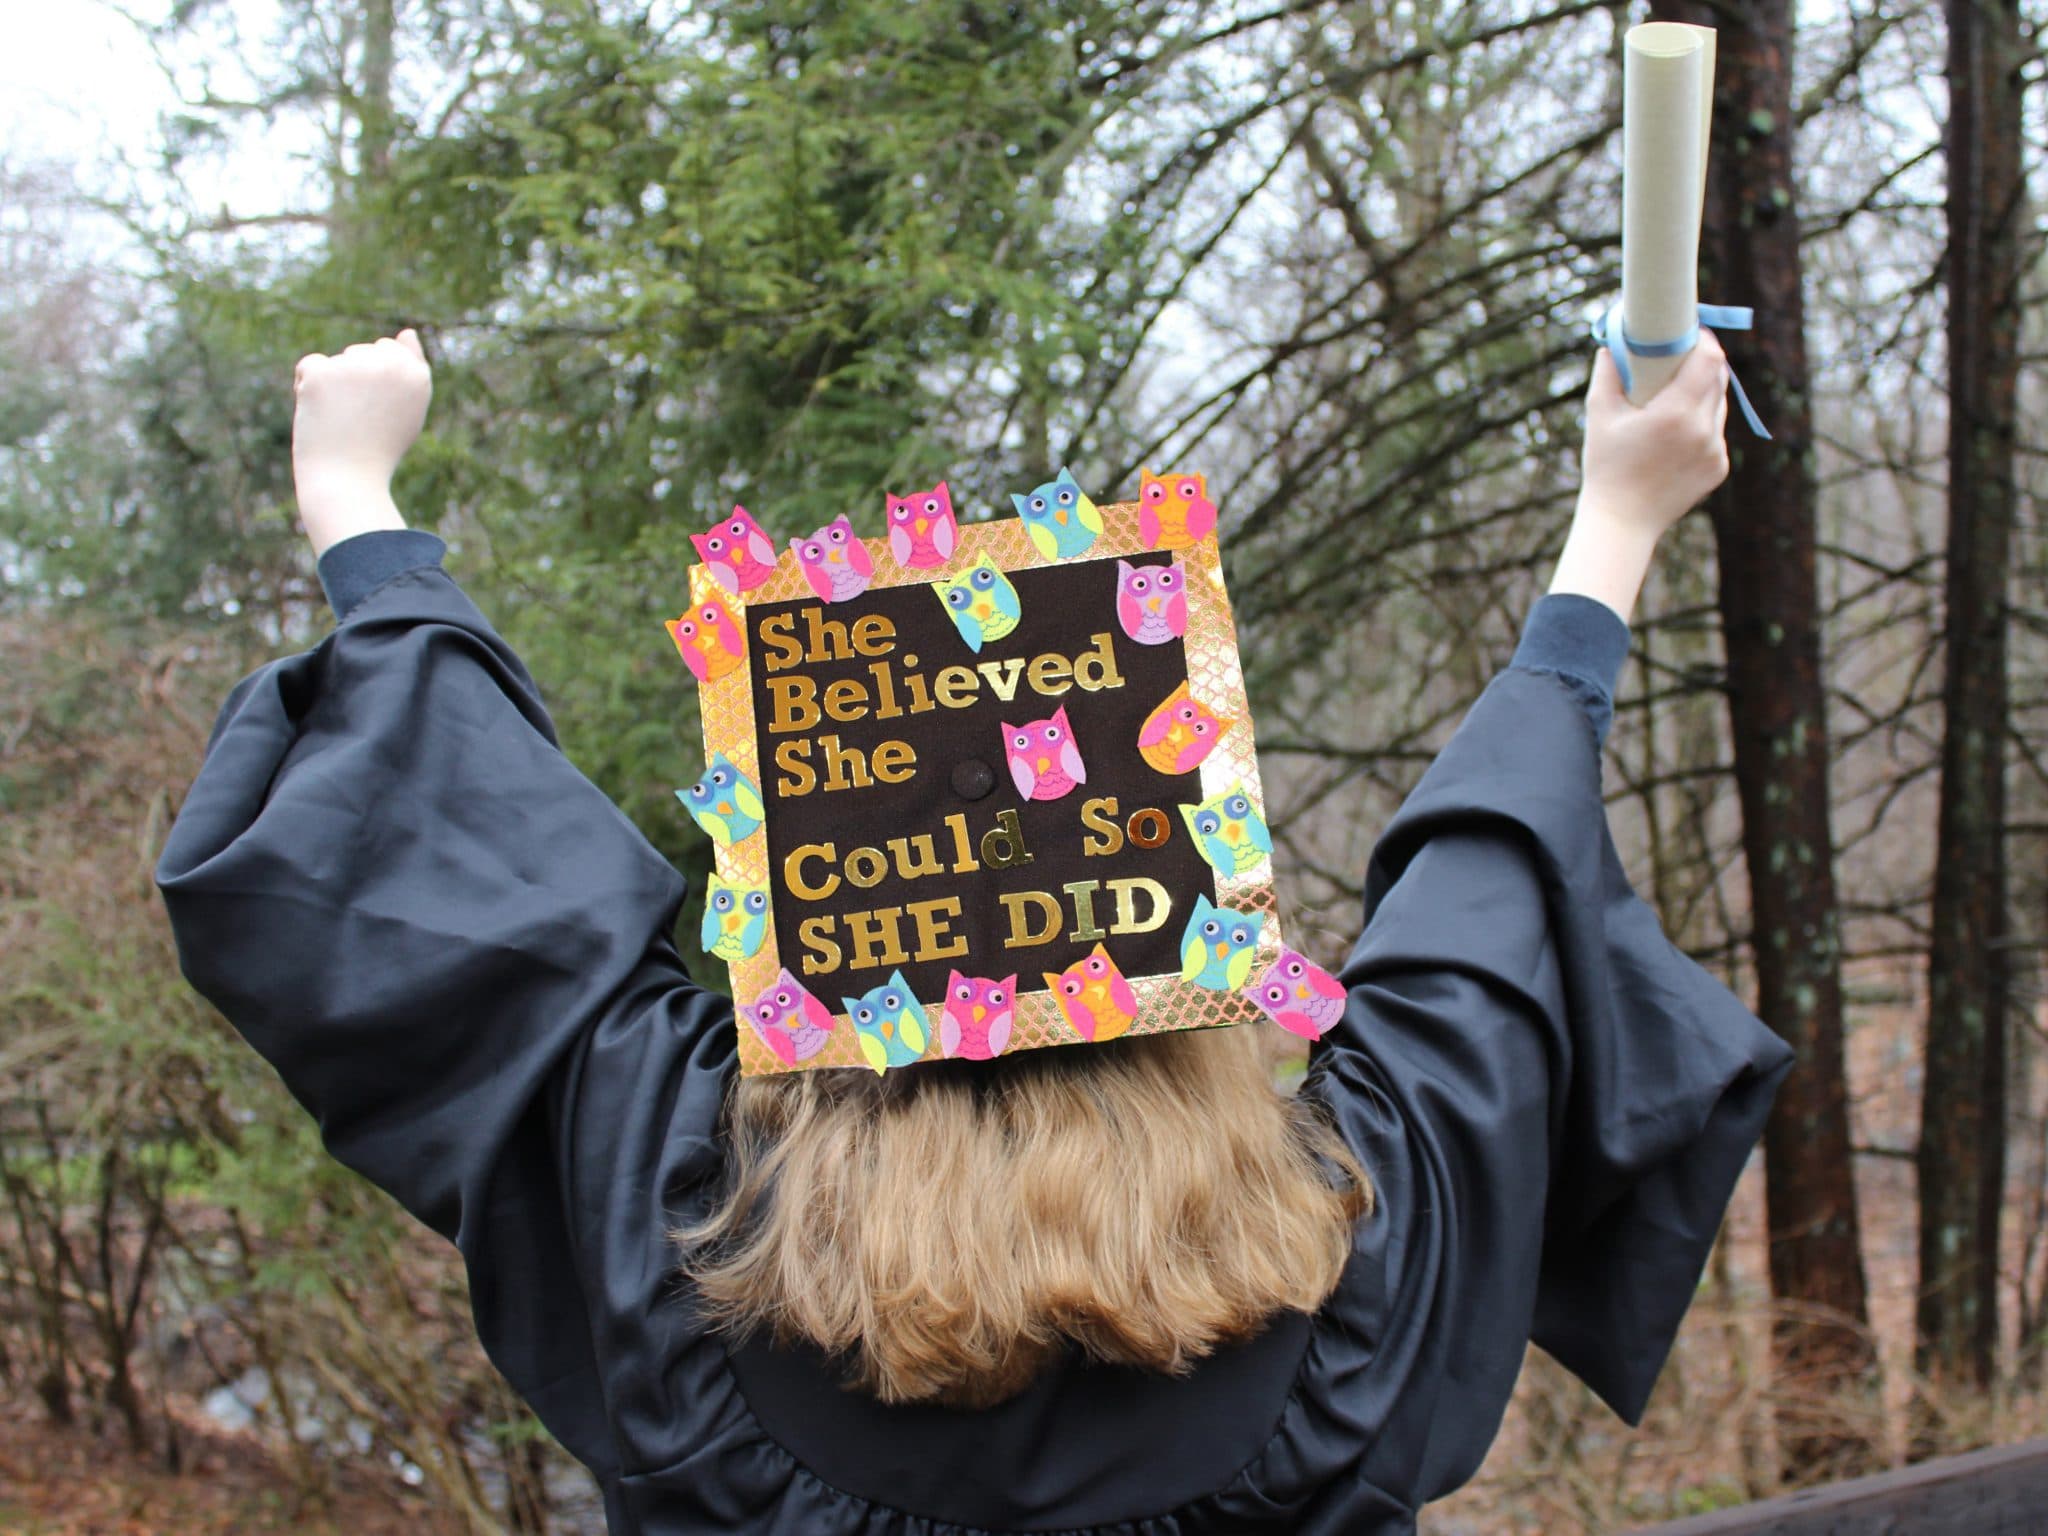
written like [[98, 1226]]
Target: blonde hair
[[949, 1226]]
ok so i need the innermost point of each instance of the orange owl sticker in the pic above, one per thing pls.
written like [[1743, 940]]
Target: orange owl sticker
[[1094, 996], [1179, 735], [708, 640], [998, 769], [1174, 511]]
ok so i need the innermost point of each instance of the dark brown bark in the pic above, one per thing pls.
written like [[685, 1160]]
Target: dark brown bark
[[1962, 1137], [1765, 534]]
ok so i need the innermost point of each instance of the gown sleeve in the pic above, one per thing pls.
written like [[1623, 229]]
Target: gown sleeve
[[456, 953], [1552, 1100]]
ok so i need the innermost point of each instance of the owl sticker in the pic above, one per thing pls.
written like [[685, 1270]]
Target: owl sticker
[[1218, 945], [1094, 996], [735, 919], [1229, 831], [738, 551], [1298, 995], [981, 603], [977, 1016], [1060, 518], [791, 1023], [922, 530], [1174, 511], [835, 562], [708, 640], [1044, 760], [725, 802], [1152, 601], [890, 1022], [1180, 733]]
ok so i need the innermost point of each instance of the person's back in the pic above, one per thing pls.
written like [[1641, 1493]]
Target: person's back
[[1127, 1289]]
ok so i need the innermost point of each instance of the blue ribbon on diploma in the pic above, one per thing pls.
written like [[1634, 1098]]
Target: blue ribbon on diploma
[[1712, 317]]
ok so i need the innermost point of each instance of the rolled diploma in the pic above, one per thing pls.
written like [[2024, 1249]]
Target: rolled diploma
[[1666, 111]]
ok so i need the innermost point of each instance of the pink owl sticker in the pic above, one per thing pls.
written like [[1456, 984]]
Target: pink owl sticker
[[738, 551], [1044, 760], [1298, 995], [835, 562], [791, 1023], [1178, 735], [708, 640], [922, 529], [978, 1016], [1152, 601]]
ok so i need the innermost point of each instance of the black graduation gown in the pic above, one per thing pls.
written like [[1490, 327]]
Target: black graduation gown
[[456, 951]]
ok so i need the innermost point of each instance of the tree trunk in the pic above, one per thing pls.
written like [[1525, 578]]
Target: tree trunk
[[1765, 535], [358, 194], [374, 108], [1962, 1116]]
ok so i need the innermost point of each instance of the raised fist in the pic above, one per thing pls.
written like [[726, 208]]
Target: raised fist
[[356, 413]]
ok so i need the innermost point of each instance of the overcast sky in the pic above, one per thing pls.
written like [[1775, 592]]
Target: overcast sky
[[82, 96], [75, 79]]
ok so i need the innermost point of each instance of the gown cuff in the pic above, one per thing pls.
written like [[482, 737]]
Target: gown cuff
[[1581, 640], [354, 568]]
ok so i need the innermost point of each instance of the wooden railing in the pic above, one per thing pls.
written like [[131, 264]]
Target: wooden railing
[[2000, 1492]]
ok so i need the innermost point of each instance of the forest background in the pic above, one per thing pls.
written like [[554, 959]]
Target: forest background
[[1341, 257]]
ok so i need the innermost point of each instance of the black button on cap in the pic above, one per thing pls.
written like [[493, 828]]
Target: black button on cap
[[973, 778]]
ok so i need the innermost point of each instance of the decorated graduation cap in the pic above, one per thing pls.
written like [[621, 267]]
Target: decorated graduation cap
[[983, 787]]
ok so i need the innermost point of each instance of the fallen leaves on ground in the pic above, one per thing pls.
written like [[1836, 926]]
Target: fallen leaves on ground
[[70, 1482]]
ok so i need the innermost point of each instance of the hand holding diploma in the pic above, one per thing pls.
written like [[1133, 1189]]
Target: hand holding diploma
[[1667, 112], [1644, 467]]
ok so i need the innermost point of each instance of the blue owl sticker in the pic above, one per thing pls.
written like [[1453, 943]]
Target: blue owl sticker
[[981, 603], [735, 919], [1229, 831], [725, 802], [1218, 946], [1060, 518], [890, 1022]]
